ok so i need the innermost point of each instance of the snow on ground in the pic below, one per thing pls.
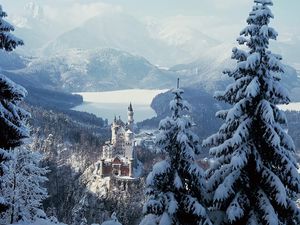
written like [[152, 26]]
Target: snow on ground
[[39, 222], [98, 185], [114, 103], [294, 106]]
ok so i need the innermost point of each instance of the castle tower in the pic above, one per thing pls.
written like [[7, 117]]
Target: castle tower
[[130, 117], [129, 137], [114, 130]]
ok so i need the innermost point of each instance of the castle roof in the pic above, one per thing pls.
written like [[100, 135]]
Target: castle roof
[[130, 107], [119, 121]]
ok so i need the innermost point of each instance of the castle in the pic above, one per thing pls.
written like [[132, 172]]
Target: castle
[[119, 155]]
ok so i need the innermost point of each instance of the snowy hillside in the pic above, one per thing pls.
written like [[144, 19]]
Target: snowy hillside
[[35, 28], [176, 39], [114, 30], [207, 73], [97, 198], [109, 69], [12, 61], [92, 70], [289, 48], [185, 43], [175, 42], [39, 222]]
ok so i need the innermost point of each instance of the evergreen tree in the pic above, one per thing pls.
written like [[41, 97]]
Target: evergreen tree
[[12, 128], [113, 220], [83, 221], [176, 185], [254, 180], [78, 212], [8, 42], [22, 189]]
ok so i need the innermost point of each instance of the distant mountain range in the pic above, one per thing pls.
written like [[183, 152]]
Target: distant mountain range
[[162, 42], [208, 75], [92, 70], [110, 69], [115, 51], [166, 44]]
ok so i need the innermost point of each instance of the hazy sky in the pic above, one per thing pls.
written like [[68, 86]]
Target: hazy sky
[[218, 18]]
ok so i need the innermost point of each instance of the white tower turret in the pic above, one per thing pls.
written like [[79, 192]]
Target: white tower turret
[[114, 128], [130, 117], [129, 136]]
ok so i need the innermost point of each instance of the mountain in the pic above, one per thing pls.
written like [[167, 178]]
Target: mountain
[[113, 30], [162, 43], [185, 43], [167, 44], [289, 48], [35, 28], [49, 99], [207, 73], [92, 70], [291, 81], [109, 69], [12, 61], [203, 110]]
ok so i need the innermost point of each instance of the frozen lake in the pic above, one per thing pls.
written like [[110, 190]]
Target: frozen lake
[[115, 103], [293, 106]]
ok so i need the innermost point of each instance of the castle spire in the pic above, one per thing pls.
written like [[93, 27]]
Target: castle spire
[[130, 117], [130, 107]]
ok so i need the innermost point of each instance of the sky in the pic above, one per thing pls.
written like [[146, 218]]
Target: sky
[[218, 18]]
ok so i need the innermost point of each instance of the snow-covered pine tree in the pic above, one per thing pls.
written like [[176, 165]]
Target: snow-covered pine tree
[[113, 220], [22, 189], [12, 128], [83, 221], [8, 42], [254, 180], [11, 115], [176, 185], [78, 212]]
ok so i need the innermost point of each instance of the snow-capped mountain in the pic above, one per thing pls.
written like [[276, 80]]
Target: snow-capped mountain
[[92, 70], [162, 44], [165, 42], [103, 69], [207, 73], [112, 30], [12, 61], [32, 12], [289, 48], [186, 43], [35, 28]]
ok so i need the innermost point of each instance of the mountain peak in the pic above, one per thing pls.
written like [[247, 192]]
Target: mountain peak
[[33, 10]]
